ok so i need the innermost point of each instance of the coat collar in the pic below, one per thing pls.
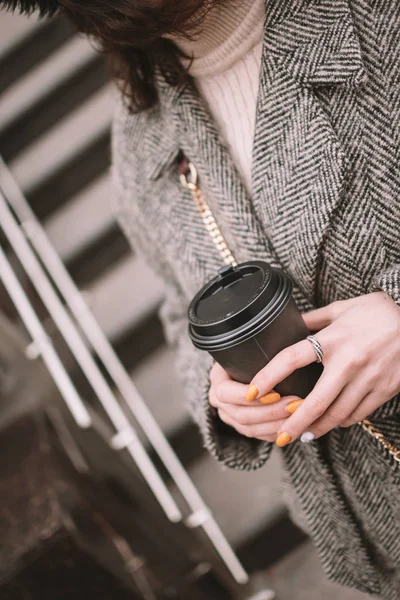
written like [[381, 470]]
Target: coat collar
[[315, 40]]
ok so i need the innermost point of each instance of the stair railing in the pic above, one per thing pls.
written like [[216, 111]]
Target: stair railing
[[47, 273]]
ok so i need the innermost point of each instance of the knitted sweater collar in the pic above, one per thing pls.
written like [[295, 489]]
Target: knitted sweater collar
[[228, 32]]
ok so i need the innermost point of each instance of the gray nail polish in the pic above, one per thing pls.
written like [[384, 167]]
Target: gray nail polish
[[308, 436]]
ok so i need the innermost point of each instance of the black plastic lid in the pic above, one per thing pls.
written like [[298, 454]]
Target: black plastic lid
[[236, 297]]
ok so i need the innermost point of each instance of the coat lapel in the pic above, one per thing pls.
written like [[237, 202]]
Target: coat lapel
[[299, 169]]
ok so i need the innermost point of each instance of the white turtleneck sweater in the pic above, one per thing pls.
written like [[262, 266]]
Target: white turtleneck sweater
[[226, 69]]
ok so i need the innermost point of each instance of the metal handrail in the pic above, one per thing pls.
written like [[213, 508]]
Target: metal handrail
[[43, 343], [84, 358]]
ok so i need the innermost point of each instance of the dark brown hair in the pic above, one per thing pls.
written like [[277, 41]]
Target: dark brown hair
[[130, 33]]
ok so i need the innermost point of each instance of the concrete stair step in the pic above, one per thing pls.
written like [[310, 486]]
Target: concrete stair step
[[50, 152], [106, 250], [71, 177], [89, 215], [125, 296], [47, 76], [32, 43], [243, 503], [158, 384], [14, 29]]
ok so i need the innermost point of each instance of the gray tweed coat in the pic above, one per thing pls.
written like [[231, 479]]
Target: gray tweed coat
[[325, 206]]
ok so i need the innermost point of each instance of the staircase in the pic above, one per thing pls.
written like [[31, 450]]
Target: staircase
[[56, 104]]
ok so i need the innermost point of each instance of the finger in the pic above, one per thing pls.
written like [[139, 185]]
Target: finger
[[327, 389], [366, 407], [218, 374], [283, 364], [212, 399], [230, 392], [345, 404], [256, 413], [251, 431], [269, 398], [293, 405], [323, 317], [262, 430], [268, 438], [318, 319]]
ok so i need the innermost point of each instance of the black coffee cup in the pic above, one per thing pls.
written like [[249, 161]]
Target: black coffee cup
[[244, 317]]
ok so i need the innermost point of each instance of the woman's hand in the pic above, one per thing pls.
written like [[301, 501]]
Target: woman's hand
[[261, 419], [360, 338]]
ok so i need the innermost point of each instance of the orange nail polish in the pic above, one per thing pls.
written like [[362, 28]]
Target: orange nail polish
[[283, 439], [270, 398], [293, 406], [252, 393]]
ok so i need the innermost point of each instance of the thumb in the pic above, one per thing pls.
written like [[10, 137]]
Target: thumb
[[319, 318]]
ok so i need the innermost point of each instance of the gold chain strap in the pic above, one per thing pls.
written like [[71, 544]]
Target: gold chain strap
[[374, 431], [206, 214], [213, 229]]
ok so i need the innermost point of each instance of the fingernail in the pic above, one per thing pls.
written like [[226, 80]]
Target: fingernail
[[308, 436], [293, 406], [252, 393], [283, 439], [270, 398]]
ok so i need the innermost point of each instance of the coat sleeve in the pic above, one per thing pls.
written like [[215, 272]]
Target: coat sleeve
[[389, 282], [193, 365]]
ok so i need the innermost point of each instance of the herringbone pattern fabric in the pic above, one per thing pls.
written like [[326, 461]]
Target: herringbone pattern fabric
[[325, 206]]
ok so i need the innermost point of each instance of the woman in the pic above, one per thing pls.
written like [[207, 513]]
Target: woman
[[314, 191]]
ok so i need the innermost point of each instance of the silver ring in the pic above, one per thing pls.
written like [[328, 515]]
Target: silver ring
[[317, 347]]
